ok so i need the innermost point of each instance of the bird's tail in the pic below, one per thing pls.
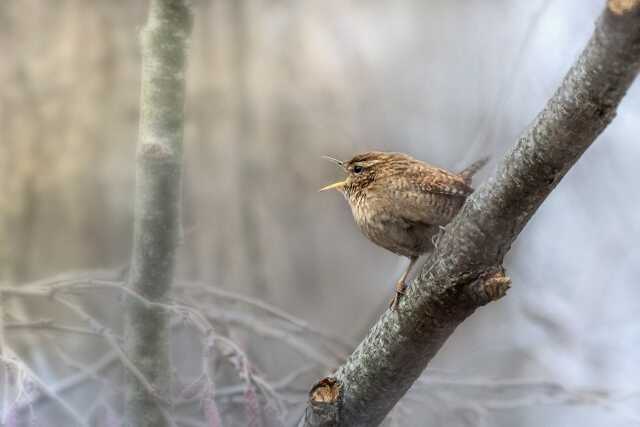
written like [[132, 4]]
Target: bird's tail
[[474, 167]]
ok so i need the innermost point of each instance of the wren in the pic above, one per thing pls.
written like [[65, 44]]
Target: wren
[[401, 203]]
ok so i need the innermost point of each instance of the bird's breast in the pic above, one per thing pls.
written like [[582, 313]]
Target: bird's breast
[[389, 232]]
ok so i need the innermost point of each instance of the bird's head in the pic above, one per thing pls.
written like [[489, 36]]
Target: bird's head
[[361, 171]]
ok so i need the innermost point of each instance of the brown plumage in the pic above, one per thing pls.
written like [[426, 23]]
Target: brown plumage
[[400, 203]]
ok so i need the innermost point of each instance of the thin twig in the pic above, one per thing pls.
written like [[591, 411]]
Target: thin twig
[[42, 385], [49, 325], [113, 343]]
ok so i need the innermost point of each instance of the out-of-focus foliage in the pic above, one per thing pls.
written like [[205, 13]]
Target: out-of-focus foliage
[[272, 86]]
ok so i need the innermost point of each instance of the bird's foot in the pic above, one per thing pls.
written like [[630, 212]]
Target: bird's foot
[[401, 288]]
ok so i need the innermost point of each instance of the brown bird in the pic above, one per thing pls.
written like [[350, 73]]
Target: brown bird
[[400, 203]]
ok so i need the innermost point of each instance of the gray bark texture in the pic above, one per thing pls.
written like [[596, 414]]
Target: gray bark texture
[[457, 277], [157, 207]]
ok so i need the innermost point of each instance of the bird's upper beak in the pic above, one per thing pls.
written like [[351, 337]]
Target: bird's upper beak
[[337, 185]]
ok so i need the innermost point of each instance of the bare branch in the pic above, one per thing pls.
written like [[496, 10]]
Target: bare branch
[[11, 359], [221, 294], [115, 346], [453, 282], [157, 207], [79, 379], [49, 325]]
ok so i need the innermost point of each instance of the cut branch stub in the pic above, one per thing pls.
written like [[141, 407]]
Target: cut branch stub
[[620, 7], [490, 286], [325, 399]]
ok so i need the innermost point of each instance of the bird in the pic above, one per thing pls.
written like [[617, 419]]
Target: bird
[[400, 203]]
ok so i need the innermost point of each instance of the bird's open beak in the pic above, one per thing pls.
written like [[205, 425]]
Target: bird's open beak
[[338, 185]]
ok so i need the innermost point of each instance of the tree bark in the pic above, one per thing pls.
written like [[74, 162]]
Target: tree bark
[[157, 205], [457, 277]]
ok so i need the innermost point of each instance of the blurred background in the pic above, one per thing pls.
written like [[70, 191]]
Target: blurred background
[[272, 86]]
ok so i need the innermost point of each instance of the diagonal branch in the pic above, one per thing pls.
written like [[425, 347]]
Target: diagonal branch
[[453, 282]]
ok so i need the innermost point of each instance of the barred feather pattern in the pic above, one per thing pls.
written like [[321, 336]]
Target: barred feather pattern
[[399, 202]]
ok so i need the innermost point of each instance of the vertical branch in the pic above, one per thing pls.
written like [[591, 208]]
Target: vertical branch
[[157, 212]]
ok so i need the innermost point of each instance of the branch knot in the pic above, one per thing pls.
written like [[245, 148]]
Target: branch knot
[[491, 285]]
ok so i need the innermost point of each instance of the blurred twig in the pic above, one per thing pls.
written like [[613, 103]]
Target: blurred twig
[[491, 119], [12, 360]]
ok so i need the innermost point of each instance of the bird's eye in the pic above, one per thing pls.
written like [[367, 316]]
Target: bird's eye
[[357, 169]]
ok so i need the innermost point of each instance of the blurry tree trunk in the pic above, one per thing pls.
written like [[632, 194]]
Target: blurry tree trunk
[[157, 204], [248, 166], [290, 127], [453, 282], [30, 206], [97, 222]]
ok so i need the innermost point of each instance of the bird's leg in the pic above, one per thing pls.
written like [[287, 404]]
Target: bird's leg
[[401, 286]]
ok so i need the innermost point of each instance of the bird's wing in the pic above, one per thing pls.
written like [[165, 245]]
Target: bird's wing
[[431, 179], [423, 194]]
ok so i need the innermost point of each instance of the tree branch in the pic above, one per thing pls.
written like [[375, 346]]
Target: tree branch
[[157, 212], [454, 281]]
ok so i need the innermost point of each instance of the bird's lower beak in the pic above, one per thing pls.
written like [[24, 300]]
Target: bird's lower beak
[[338, 186]]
